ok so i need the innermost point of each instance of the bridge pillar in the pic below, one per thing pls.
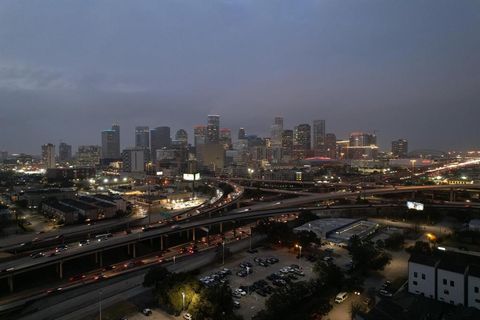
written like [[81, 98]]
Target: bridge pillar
[[151, 242], [134, 250], [128, 248], [100, 258], [238, 204], [413, 195], [221, 227], [452, 195], [10, 283], [161, 243], [60, 270], [193, 235]]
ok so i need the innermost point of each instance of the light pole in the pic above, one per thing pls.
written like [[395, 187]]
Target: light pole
[[183, 300], [299, 249], [223, 252], [251, 238]]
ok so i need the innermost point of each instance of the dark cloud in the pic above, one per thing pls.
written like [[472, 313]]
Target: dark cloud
[[406, 68]]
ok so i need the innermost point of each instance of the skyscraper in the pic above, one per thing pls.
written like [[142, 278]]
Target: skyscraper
[[159, 138], [142, 137], [48, 155], [287, 142], [302, 141], [181, 137], [319, 137], [226, 138], [213, 129], [241, 134], [362, 146], [400, 148], [276, 132], [330, 145], [199, 135], [64, 152], [111, 143]]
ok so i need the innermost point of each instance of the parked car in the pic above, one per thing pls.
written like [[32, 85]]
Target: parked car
[[147, 312], [342, 296]]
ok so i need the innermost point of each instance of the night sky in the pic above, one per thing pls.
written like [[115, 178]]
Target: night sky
[[407, 69]]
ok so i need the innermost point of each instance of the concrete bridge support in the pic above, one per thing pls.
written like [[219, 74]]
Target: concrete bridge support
[[452, 195], [10, 283]]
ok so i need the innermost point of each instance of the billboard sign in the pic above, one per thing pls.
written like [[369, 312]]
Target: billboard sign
[[191, 176]]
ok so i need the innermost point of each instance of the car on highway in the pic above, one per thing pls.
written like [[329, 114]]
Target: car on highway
[[77, 277], [84, 243], [61, 248], [37, 255]]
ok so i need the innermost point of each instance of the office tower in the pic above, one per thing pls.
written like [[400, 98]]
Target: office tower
[[3, 155], [330, 146], [142, 137], [276, 131], [111, 143], [159, 138], [64, 152], [213, 129], [48, 155], [88, 156], [319, 137], [302, 141], [134, 159], [362, 146], [181, 138], [287, 142], [199, 135], [241, 134], [226, 138], [400, 148]]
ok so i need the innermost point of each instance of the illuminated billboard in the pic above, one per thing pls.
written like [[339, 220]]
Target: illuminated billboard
[[191, 176], [415, 205]]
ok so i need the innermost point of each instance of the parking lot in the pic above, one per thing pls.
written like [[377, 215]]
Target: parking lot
[[252, 300]]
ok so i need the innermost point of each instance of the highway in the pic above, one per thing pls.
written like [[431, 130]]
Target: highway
[[258, 211]]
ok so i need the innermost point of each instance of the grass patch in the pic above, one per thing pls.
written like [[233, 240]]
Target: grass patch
[[118, 310]]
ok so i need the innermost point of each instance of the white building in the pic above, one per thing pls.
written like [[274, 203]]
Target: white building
[[421, 275], [451, 282], [473, 287], [134, 159]]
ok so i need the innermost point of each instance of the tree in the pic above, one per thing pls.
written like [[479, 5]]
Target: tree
[[329, 274], [155, 275], [304, 238], [366, 256], [395, 241], [420, 247]]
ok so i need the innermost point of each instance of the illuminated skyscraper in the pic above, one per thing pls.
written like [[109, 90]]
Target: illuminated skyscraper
[[213, 129], [111, 143], [400, 148], [48, 155], [241, 134], [276, 131], [199, 135], [64, 152], [319, 137]]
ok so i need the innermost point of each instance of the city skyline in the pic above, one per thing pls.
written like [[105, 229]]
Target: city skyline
[[360, 66]]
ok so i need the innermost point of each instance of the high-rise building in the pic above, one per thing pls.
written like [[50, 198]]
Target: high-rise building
[[276, 132], [88, 156], [213, 129], [330, 146], [142, 137], [111, 143], [48, 155], [64, 152], [199, 135], [362, 146], [226, 138], [319, 137], [134, 159], [302, 141], [159, 138], [287, 142], [181, 138], [400, 148], [241, 134]]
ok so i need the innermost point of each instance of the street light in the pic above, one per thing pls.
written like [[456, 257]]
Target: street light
[[223, 253], [300, 250], [183, 300]]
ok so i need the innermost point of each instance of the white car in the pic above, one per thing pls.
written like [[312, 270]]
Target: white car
[[187, 316], [342, 296]]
